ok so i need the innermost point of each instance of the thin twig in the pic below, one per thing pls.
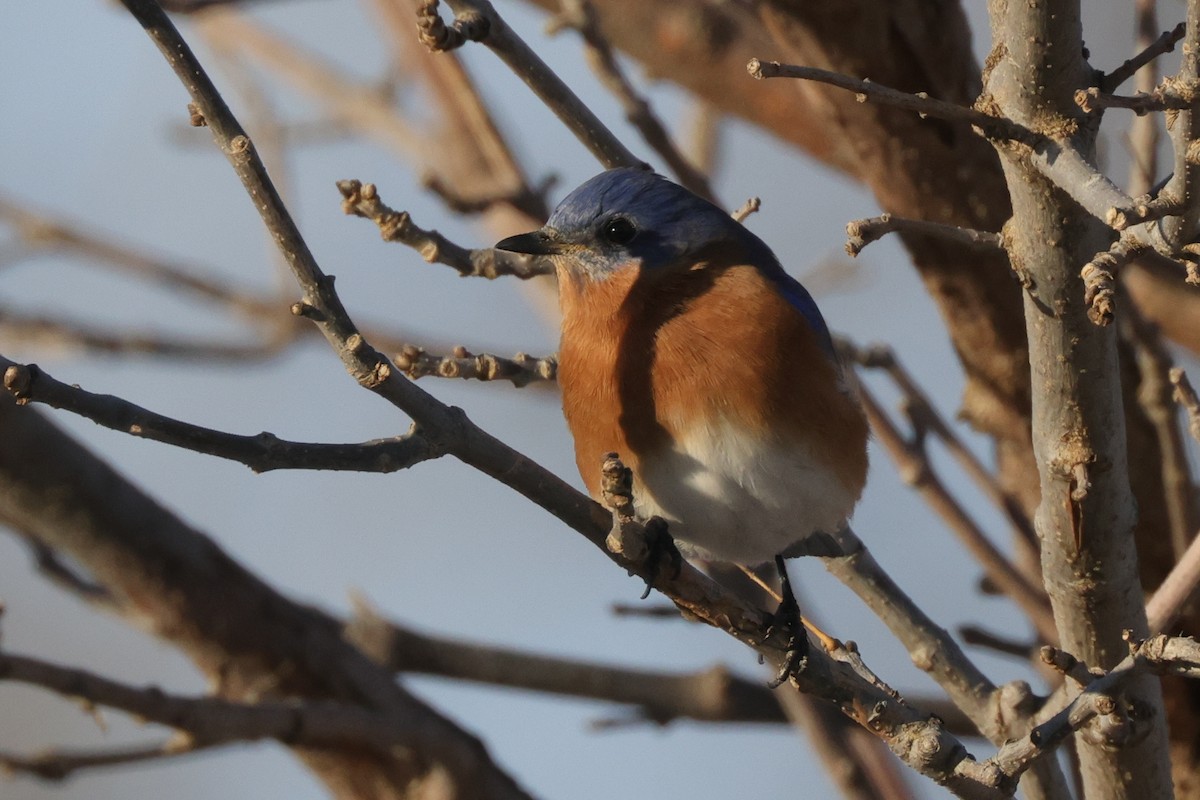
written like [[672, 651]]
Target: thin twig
[[487, 26], [520, 370], [362, 200], [921, 103], [262, 452], [58, 333], [1185, 395], [1165, 98], [862, 232], [58, 765], [1176, 590], [1164, 44]]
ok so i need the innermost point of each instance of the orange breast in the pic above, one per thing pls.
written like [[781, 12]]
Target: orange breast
[[645, 358]]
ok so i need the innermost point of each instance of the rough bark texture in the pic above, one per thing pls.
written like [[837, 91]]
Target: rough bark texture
[[1089, 563]]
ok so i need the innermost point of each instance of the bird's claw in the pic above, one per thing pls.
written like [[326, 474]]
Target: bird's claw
[[660, 545], [787, 618]]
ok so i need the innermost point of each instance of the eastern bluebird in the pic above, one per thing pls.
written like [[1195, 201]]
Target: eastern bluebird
[[689, 351]]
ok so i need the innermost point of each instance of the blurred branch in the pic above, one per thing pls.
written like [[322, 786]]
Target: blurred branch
[[210, 721], [1176, 591], [40, 231], [262, 452], [1155, 393], [58, 334], [487, 26], [58, 765], [712, 695], [1185, 395], [581, 16]]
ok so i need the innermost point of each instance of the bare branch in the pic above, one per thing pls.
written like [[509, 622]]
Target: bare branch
[[1176, 590], [862, 232], [262, 452], [921, 103], [1164, 44], [479, 20], [1155, 395], [713, 695], [520, 370], [58, 765], [1185, 395]]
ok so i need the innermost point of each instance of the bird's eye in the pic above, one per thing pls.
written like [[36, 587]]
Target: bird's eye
[[618, 230]]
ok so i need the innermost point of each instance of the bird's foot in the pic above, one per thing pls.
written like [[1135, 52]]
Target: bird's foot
[[787, 618], [660, 552]]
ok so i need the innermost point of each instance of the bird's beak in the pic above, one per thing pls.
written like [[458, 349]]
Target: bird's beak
[[537, 243]]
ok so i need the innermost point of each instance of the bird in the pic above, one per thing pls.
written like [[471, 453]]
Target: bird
[[687, 349]]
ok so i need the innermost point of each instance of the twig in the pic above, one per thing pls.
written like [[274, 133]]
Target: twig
[[211, 721], [712, 695], [930, 646], [921, 103], [362, 200], [862, 232], [54, 569], [262, 452], [1181, 229], [751, 206], [1169, 599], [1164, 44], [1155, 394], [520, 370], [581, 16], [1143, 209], [482, 23], [977, 636], [1168, 97], [1099, 283], [63, 333], [40, 230], [1064, 716], [58, 765], [1144, 132], [1185, 395]]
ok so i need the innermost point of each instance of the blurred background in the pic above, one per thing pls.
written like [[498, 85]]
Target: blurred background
[[95, 133]]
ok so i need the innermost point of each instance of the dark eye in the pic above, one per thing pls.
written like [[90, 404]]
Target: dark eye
[[618, 230]]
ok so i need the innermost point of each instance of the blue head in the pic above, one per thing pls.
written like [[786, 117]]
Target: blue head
[[631, 217]]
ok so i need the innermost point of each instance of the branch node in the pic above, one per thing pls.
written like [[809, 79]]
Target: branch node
[[18, 381]]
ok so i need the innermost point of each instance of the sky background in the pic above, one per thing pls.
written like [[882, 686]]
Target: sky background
[[94, 131]]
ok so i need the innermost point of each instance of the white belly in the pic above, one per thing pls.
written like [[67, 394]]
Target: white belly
[[731, 496]]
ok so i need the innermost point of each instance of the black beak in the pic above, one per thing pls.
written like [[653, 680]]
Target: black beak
[[537, 243]]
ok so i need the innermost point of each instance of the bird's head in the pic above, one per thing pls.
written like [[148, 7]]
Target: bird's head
[[632, 217]]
